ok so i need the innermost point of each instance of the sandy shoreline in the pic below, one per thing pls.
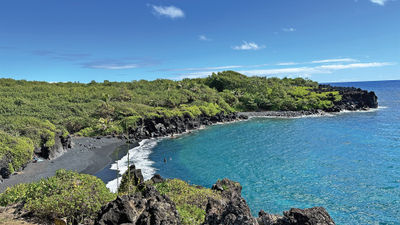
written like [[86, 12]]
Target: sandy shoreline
[[87, 155]]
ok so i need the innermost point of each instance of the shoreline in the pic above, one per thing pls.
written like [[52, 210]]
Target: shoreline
[[250, 115], [87, 155], [94, 156]]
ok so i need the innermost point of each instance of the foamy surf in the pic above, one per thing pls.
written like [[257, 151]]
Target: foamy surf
[[139, 156]]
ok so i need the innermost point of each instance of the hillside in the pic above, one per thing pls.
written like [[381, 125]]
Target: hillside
[[38, 117]]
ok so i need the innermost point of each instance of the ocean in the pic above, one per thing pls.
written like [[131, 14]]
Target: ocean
[[348, 163]]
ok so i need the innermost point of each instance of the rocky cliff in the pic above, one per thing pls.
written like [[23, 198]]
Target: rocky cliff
[[352, 98], [159, 127], [148, 206]]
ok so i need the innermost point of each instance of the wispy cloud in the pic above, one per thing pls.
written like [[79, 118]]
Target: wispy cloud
[[289, 29], [206, 68], [335, 60], [168, 11], [286, 64], [248, 46], [323, 69], [119, 64], [109, 66], [204, 38], [379, 2], [354, 65], [304, 71]]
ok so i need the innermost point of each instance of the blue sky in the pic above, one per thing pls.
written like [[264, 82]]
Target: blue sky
[[124, 40]]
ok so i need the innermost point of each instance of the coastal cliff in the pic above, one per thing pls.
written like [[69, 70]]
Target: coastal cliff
[[351, 98], [224, 206]]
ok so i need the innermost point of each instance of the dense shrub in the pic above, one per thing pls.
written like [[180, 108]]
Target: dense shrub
[[67, 194], [191, 201], [16, 150]]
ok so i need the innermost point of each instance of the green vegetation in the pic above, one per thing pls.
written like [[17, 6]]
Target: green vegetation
[[259, 93], [67, 194], [40, 110], [17, 150], [191, 201]]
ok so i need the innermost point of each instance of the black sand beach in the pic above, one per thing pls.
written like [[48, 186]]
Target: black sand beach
[[87, 155]]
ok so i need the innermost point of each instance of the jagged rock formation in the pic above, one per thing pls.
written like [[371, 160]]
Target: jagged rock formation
[[158, 127], [148, 206], [231, 209], [60, 146], [352, 98], [143, 208], [311, 216], [131, 178]]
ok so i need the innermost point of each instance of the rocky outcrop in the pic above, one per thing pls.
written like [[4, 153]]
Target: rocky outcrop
[[352, 98], [148, 206], [312, 216], [61, 144], [131, 178], [142, 208], [159, 127], [231, 209]]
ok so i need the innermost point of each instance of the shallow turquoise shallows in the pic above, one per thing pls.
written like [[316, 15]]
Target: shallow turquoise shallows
[[348, 163]]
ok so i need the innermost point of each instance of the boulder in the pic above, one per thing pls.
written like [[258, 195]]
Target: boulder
[[157, 179], [311, 216]]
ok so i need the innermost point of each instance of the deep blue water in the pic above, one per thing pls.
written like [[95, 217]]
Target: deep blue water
[[348, 163]]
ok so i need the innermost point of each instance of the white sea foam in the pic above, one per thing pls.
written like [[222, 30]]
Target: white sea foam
[[139, 156], [362, 110]]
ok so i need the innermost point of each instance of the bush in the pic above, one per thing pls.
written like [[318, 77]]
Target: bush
[[191, 201], [67, 194], [18, 150]]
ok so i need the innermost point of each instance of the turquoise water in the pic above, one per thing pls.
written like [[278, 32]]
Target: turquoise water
[[348, 163]]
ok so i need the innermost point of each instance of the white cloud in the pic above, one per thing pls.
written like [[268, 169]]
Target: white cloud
[[168, 11], [379, 2], [305, 71], [112, 66], [248, 46], [287, 64], [354, 65], [204, 38], [290, 29], [207, 68], [334, 60]]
